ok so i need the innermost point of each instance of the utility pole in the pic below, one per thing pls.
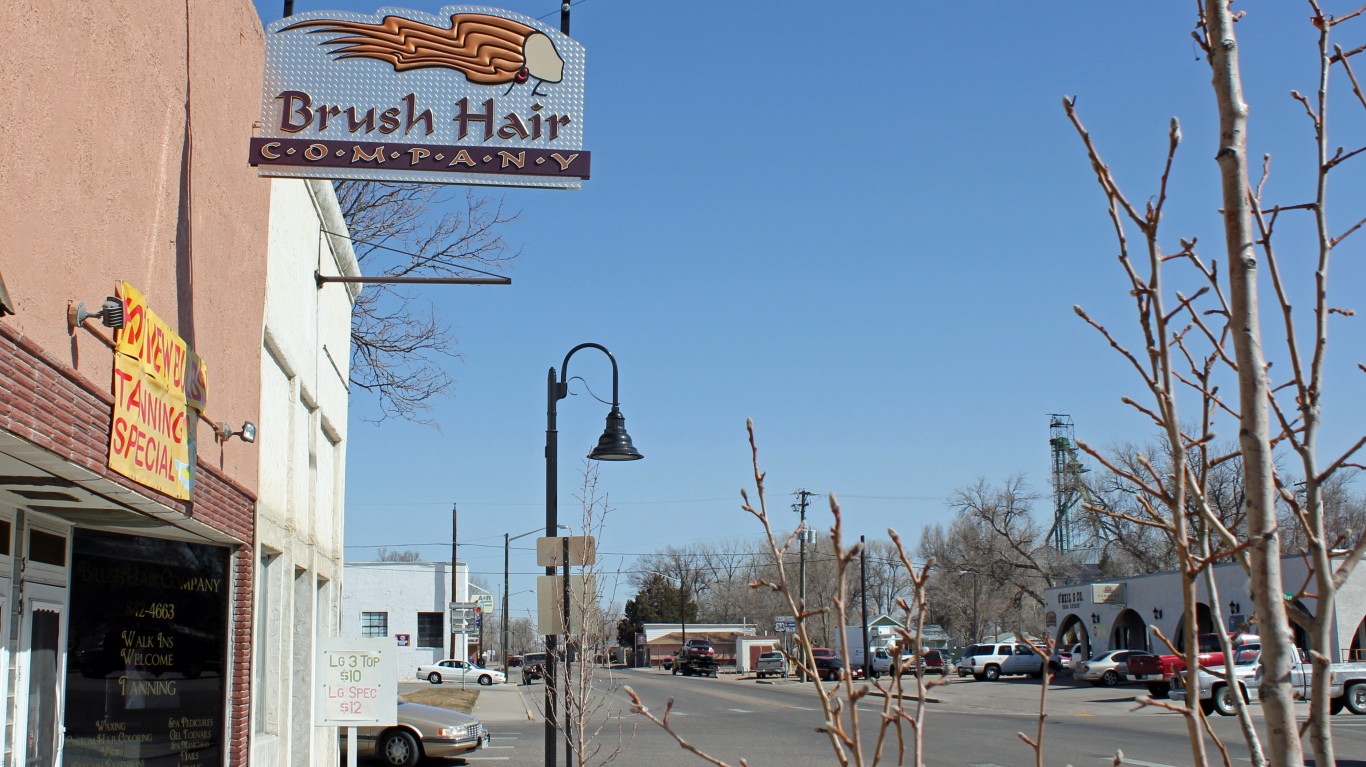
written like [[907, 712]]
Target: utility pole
[[863, 590], [800, 508], [455, 595]]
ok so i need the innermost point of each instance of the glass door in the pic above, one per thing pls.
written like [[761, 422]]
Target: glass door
[[38, 689]]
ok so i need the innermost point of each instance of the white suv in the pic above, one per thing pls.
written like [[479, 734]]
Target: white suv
[[992, 661]]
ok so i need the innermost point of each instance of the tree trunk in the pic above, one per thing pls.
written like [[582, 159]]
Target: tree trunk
[[1283, 749]]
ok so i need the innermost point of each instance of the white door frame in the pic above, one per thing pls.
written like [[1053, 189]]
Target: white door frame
[[46, 598]]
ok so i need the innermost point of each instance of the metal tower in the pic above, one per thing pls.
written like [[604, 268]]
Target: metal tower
[[1068, 488]]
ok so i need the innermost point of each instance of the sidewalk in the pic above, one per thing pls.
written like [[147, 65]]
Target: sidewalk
[[504, 703]]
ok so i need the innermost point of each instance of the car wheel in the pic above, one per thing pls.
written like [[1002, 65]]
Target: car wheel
[[400, 749], [1159, 690], [1207, 705], [485, 680], [1037, 674], [1223, 701], [1334, 706], [992, 673], [434, 678], [1109, 678], [1354, 697]]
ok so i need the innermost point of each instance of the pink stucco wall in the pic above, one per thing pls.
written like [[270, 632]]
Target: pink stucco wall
[[126, 130]]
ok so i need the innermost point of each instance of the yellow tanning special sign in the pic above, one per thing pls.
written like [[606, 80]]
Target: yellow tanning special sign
[[158, 381]]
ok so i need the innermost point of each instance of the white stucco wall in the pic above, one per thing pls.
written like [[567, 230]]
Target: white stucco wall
[[402, 590], [305, 351], [1161, 592]]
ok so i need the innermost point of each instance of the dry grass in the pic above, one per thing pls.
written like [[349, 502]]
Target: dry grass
[[445, 696]]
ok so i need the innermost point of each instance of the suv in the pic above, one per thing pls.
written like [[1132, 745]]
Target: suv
[[991, 661], [533, 667], [828, 665], [695, 649]]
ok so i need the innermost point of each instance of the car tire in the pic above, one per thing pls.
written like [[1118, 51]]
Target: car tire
[[400, 749], [1222, 701], [1354, 698], [485, 680], [1207, 705], [434, 678], [1159, 690], [992, 673], [1037, 674], [1109, 678], [1334, 706]]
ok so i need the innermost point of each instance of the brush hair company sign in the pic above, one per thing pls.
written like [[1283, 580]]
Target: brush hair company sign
[[468, 95]]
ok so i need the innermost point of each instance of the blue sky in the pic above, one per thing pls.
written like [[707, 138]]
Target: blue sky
[[864, 225]]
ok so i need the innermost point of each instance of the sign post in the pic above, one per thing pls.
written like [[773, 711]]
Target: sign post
[[358, 685]]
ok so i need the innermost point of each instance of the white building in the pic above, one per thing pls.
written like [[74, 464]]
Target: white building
[[305, 353], [407, 601], [1118, 613]]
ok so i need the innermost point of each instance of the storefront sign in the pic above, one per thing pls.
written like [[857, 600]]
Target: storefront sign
[[158, 382], [1108, 594], [148, 647], [469, 95]]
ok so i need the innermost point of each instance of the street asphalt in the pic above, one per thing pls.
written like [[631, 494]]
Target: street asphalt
[[968, 724]]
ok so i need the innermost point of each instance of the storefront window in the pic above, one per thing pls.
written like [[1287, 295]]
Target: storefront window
[[146, 651]]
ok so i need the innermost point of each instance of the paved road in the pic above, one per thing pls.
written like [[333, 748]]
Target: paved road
[[970, 724]]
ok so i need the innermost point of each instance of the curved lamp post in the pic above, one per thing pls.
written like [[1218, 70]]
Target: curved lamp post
[[613, 445]]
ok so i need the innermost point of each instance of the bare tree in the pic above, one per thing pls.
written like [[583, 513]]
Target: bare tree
[[390, 555], [397, 230]]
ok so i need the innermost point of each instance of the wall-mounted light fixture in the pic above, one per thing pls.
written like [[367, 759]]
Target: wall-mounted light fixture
[[1157, 613], [247, 432], [110, 314], [1235, 608], [1095, 618]]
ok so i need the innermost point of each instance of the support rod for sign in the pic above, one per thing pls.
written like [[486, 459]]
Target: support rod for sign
[[568, 642], [323, 279]]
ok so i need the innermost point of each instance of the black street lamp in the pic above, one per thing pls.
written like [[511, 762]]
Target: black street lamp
[[613, 445]]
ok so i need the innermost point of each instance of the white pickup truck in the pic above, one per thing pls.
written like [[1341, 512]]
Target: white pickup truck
[[1215, 693], [1346, 684]]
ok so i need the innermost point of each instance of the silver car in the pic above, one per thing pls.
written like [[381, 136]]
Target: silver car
[[1107, 669], [421, 731]]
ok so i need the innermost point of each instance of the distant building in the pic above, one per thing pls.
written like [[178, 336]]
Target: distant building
[[662, 640], [407, 601], [1118, 613]]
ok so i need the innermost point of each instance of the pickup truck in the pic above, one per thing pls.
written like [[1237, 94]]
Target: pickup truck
[[1161, 668], [771, 664], [1216, 693], [696, 658], [1346, 685]]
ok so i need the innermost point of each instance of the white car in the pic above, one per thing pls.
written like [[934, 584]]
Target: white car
[[463, 672]]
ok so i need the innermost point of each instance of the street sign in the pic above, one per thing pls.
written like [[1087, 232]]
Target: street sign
[[485, 602], [583, 551], [357, 682], [583, 594]]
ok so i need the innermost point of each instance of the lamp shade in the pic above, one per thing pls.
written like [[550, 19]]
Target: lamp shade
[[615, 443]]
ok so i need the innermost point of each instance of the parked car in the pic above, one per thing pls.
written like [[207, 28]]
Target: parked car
[[1346, 683], [1159, 669], [464, 672], [533, 667], [1109, 668], [1067, 658], [930, 662], [514, 661], [771, 664], [1216, 693], [994, 660], [422, 731], [828, 665]]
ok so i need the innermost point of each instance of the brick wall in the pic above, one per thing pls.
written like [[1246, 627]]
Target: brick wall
[[56, 408]]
